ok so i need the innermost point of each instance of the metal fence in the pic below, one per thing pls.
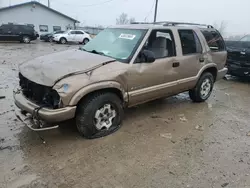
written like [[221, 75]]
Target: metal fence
[[91, 30]]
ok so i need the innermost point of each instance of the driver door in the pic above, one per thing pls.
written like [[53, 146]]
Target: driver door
[[151, 80]]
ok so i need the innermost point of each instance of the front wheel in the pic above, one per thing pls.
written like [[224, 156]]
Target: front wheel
[[63, 41], [203, 88], [99, 115]]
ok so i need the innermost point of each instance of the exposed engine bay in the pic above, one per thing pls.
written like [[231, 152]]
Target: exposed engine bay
[[43, 96]]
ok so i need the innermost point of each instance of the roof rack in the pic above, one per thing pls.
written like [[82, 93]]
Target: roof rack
[[167, 23]]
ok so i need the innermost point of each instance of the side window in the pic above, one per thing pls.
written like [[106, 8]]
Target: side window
[[190, 42], [214, 40], [79, 33], [5, 28], [43, 28], [73, 32], [57, 28], [161, 43]]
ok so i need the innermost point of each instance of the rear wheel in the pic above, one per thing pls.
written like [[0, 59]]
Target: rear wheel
[[203, 88], [63, 41], [99, 115], [26, 39], [85, 41]]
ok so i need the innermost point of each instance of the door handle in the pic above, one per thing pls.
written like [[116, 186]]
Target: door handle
[[201, 59], [176, 64]]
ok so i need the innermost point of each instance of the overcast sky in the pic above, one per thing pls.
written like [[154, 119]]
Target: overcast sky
[[235, 12]]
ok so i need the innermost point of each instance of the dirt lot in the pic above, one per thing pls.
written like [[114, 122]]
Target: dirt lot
[[166, 143]]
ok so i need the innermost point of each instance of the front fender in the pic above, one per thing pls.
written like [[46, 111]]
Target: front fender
[[95, 87]]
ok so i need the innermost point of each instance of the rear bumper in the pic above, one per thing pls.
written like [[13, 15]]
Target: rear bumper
[[221, 73], [45, 114]]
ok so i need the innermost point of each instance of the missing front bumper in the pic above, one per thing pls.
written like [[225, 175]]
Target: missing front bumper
[[32, 123]]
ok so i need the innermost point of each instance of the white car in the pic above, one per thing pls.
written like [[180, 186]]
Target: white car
[[72, 36]]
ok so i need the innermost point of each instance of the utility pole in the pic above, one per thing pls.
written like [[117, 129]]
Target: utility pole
[[156, 7], [49, 3]]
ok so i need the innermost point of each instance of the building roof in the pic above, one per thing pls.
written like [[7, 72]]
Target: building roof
[[35, 2]]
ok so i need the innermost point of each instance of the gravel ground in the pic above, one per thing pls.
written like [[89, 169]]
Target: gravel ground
[[169, 143]]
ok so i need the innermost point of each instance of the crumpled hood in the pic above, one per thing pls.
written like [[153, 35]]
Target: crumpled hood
[[47, 70]]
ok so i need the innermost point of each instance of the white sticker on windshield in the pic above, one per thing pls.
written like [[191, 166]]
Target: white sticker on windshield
[[127, 36]]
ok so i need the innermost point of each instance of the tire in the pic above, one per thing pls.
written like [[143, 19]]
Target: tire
[[89, 111], [203, 88], [50, 39], [85, 41], [26, 39], [63, 40]]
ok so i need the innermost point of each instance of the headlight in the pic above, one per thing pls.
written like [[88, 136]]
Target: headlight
[[53, 99], [62, 89]]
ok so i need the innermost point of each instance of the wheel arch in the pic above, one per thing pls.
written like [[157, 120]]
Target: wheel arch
[[112, 87], [63, 38], [212, 68], [213, 71]]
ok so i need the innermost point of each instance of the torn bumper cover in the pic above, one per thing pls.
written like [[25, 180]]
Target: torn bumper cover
[[221, 73], [39, 115]]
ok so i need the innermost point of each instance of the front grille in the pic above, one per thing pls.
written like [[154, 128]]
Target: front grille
[[39, 94]]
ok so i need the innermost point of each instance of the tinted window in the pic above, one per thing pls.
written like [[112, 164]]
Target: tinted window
[[43, 28], [57, 28], [79, 33], [73, 32], [6, 27], [190, 42], [214, 40]]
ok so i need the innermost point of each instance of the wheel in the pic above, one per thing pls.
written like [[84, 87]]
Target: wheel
[[26, 39], [99, 115], [203, 88], [50, 39], [63, 41], [85, 41]]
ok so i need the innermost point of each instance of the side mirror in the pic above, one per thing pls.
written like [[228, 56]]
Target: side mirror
[[148, 56]]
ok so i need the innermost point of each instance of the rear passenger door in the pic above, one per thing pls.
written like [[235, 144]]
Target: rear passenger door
[[79, 36], [16, 32], [191, 57]]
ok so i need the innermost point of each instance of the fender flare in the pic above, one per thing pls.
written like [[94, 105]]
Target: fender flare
[[204, 68], [95, 87]]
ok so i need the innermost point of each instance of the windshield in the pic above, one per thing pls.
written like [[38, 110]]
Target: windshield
[[245, 38], [116, 43]]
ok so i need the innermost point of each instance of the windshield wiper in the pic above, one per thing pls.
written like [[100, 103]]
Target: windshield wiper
[[96, 52], [92, 51]]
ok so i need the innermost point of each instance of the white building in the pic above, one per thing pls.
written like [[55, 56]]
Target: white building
[[43, 18]]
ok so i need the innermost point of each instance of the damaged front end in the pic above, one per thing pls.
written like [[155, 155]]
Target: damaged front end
[[40, 106], [43, 96], [238, 62]]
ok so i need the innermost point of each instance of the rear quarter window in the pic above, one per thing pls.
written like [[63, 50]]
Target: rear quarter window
[[214, 40]]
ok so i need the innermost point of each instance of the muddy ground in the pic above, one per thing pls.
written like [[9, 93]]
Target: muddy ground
[[171, 143]]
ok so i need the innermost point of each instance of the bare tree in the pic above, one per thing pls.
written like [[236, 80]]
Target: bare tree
[[221, 27], [124, 19], [131, 20]]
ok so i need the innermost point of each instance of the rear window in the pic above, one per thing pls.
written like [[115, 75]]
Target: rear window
[[214, 40]]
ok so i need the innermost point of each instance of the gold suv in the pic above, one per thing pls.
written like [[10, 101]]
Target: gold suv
[[121, 67]]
